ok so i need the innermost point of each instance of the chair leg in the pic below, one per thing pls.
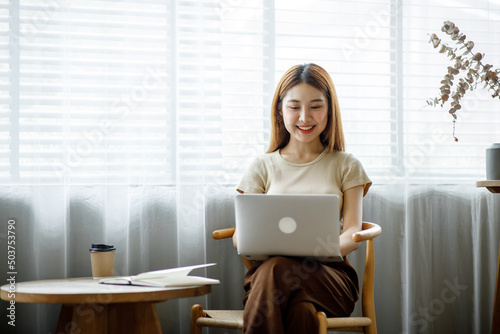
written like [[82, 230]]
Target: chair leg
[[322, 322], [370, 329], [368, 305], [196, 312]]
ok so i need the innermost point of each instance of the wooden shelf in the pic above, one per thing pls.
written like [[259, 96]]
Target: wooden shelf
[[491, 185], [494, 187]]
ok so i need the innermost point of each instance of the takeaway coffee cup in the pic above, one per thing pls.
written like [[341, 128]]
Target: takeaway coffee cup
[[102, 258]]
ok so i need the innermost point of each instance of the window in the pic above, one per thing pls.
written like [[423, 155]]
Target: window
[[358, 50], [428, 141], [5, 88], [90, 99], [179, 91]]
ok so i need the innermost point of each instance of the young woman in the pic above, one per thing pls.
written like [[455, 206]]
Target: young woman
[[306, 156]]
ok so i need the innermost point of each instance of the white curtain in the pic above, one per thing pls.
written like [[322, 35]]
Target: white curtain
[[131, 123], [435, 260]]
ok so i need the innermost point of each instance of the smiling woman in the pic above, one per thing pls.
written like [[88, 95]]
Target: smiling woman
[[133, 121], [305, 106]]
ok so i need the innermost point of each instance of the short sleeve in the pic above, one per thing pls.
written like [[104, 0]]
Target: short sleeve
[[254, 178], [354, 175]]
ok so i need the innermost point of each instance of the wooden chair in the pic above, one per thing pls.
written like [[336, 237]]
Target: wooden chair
[[366, 324]]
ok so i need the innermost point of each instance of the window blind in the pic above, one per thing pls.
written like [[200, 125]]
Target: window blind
[[357, 49], [384, 70], [5, 86], [429, 145], [93, 91], [179, 92], [222, 87]]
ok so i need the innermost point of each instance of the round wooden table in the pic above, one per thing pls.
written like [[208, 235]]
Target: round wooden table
[[90, 307]]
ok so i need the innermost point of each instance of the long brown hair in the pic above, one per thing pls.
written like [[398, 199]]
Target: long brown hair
[[333, 136]]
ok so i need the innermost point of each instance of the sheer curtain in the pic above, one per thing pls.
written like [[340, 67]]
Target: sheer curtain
[[131, 122]]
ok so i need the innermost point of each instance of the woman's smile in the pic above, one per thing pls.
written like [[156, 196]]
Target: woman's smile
[[306, 128]]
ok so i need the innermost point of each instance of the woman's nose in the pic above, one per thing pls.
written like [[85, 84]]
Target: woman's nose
[[304, 115]]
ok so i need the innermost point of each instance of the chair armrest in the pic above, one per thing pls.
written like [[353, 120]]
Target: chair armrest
[[228, 233], [223, 234], [370, 231]]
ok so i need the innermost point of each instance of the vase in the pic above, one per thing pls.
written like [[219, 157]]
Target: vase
[[493, 162]]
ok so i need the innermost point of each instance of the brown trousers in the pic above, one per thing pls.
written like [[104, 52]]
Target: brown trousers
[[283, 294]]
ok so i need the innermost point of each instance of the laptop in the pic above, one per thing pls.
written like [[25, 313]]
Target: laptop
[[288, 225]]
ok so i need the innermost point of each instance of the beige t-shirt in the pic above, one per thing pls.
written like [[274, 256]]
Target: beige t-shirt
[[329, 173]]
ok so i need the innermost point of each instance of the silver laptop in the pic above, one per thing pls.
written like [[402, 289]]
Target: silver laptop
[[289, 225]]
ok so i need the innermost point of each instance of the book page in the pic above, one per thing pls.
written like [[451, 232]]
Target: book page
[[164, 278], [181, 271], [176, 281]]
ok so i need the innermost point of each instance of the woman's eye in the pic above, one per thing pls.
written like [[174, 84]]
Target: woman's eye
[[293, 107], [316, 107]]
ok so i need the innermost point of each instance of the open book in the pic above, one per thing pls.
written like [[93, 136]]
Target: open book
[[164, 278]]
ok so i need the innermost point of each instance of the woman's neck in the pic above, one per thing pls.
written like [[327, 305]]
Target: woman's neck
[[301, 152]]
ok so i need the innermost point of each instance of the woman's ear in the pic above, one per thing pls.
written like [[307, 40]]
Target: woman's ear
[[280, 115]]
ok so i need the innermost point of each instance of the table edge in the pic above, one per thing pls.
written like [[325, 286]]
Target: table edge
[[156, 295]]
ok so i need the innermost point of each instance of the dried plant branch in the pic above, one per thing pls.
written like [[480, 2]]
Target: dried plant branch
[[468, 68]]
